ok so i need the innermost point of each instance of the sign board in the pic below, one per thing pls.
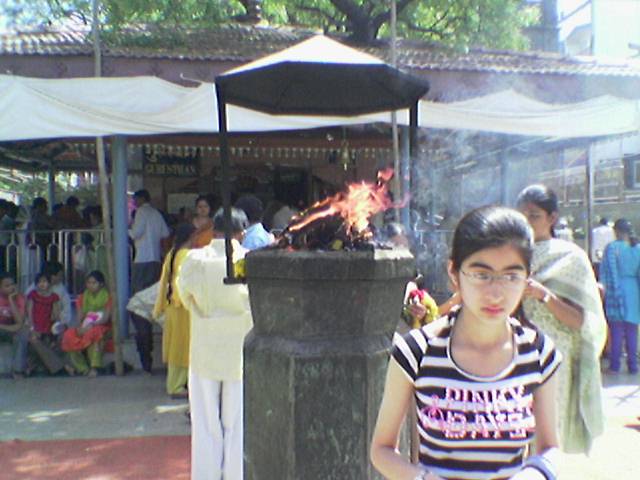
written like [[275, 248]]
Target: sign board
[[169, 164]]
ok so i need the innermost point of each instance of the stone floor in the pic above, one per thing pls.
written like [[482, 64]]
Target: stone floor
[[45, 408]]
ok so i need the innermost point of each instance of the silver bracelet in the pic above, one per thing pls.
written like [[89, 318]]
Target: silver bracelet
[[543, 465]]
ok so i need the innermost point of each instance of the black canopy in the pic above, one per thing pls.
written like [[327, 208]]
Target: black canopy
[[318, 76]]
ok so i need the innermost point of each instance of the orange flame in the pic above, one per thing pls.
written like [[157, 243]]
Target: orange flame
[[356, 206]]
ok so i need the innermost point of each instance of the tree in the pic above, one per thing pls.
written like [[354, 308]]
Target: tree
[[490, 23]]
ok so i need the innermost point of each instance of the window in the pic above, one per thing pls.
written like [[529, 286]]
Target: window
[[632, 171]]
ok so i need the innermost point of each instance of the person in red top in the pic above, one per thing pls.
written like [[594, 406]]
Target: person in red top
[[43, 305], [12, 323], [43, 308]]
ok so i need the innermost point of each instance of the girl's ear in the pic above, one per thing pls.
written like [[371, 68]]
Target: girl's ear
[[554, 218], [453, 274]]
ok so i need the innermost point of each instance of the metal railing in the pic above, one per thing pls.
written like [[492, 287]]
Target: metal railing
[[432, 254], [80, 251]]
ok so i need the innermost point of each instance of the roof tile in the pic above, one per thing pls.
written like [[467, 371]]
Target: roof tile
[[244, 43]]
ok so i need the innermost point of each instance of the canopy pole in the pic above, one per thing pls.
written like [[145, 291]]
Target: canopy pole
[[397, 185], [120, 230], [408, 176], [104, 199], [224, 186], [589, 191], [51, 186]]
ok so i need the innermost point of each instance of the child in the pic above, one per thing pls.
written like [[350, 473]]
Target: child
[[94, 318], [43, 306], [43, 309], [55, 270], [483, 382], [12, 323]]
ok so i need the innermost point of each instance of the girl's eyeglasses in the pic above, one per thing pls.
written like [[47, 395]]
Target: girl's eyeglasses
[[506, 280]]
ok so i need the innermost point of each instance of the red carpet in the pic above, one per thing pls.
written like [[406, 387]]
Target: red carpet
[[167, 457]]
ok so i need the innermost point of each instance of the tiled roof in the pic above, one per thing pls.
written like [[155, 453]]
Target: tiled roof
[[243, 43]]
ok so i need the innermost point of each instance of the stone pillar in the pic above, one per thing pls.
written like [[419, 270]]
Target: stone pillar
[[316, 360]]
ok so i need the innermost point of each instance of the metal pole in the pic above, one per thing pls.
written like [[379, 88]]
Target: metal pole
[[397, 192], [120, 228], [504, 175], [224, 185], [51, 186], [589, 192], [104, 199]]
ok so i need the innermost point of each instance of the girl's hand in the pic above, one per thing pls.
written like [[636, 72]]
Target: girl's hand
[[535, 290], [417, 310]]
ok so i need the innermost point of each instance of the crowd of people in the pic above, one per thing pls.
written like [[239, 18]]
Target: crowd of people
[[512, 356]]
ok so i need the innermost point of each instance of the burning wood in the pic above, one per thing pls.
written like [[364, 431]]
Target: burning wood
[[342, 220]]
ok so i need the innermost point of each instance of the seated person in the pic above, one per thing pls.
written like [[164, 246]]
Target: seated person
[[12, 323], [43, 309], [94, 318], [55, 270]]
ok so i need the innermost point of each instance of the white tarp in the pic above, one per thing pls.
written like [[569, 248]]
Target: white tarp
[[510, 112], [86, 107]]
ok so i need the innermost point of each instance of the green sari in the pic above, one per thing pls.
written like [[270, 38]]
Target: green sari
[[565, 269]]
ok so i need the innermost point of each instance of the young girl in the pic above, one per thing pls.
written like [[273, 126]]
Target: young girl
[[94, 319], [43, 309], [43, 306], [175, 333], [483, 382]]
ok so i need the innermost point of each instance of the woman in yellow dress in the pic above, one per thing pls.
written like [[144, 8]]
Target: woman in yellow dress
[[177, 326]]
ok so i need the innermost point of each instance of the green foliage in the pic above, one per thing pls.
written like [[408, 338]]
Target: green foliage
[[459, 23], [30, 186]]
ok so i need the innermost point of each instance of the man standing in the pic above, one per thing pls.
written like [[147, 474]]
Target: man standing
[[256, 236], [220, 319], [148, 229], [601, 236]]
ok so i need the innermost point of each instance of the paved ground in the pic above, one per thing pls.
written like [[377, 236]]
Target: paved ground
[[135, 405], [48, 408], [616, 454]]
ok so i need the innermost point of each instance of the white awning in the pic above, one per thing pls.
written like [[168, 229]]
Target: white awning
[[33, 108]]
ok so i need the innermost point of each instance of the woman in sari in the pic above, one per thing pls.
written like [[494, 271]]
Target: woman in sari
[[562, 299], [94, 319], [619, 273], [177, 325], [202, 222]]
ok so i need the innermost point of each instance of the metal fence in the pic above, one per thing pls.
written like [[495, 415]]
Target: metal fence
[[432, 254], [80, 251]]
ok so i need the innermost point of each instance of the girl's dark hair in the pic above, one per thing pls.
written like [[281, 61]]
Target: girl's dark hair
[[182, 234], [624, 227], [239, 221], [542, 197], [205, 198], [42, 275], [97, 275], [491, 227]]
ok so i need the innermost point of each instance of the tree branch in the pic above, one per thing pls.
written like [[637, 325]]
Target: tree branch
[[322, 13], [381, 18]]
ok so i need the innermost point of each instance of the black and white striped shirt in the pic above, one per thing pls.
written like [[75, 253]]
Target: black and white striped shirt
[[474, 427]]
